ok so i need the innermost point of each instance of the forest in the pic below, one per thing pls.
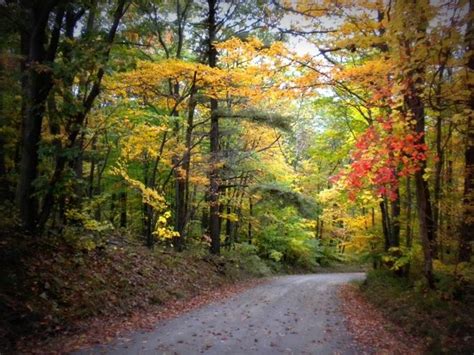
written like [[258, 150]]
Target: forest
[[155, 150]]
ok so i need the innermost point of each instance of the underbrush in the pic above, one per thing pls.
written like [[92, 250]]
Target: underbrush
[[247, 259], [444, 319], [49, 285], [243, 259], [54, 284]]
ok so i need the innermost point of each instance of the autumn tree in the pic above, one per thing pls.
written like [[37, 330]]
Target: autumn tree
[[467, 237], [385, 66], [47, 50]]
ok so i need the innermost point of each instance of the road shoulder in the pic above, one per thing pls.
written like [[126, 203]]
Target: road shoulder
[[371, 329]]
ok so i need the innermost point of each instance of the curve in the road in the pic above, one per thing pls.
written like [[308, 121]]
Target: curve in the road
[[289, 315]]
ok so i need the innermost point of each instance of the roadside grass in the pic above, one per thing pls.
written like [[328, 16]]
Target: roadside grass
[[443, 318]]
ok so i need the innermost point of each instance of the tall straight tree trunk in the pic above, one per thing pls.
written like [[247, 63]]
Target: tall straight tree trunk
[[318, 221], [180, 183], [180, 209], [413, 37], [385, 223], [408, 227], [123, 209], [249, 231], [214, 138], [4, 184], [437, 178], [182, 180], [180, 212], [36, 87], [148, 215], [77, 166], [205, 221], [425, 213], [467, 226], [448, 225], [395, 226], [228, 227], [187, 159]]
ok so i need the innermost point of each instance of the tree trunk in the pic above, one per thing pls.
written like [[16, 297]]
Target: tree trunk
[[77, 165], [425, 214], [147, 210], [4, 184], [205, 221], [180, 209], [249, 231], [395, 227], [467, 225], [76, 121], [408, 228], [113, 198], [214, 138], [92, 167], [187, 159], [414, 80], [36, 87], [123, 209], [228, 227], [437, 180], [385, 223], [182, 181]]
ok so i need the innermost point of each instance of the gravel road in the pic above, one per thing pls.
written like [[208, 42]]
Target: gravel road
[[289, 315]]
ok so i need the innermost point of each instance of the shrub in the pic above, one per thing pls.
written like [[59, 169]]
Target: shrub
[[244, 257]]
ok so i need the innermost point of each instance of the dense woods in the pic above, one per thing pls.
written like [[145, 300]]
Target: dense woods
[[281, 135]]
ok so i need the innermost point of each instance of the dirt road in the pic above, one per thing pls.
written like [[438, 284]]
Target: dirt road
[[289, 315]]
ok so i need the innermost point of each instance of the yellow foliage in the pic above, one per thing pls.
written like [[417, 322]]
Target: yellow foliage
[[152, 198]]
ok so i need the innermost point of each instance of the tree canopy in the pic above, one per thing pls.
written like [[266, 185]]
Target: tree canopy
[[309, 130]]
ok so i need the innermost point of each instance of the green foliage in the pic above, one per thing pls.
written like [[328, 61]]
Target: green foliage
[[286, 237], [455, 281], [137, 158], [244, 257], [276, 255], [397, 258], [305, 205]]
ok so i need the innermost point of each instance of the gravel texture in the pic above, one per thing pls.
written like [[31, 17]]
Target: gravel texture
[[289, 315]]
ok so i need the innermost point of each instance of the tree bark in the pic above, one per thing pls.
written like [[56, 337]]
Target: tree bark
[[249, 231], [408, 227], [36, 87], [414, 30], [214, 138], [123, 209], [385, 223], [395, 219], [467, 225], [187, 158], [425, 214], [437, 178]]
